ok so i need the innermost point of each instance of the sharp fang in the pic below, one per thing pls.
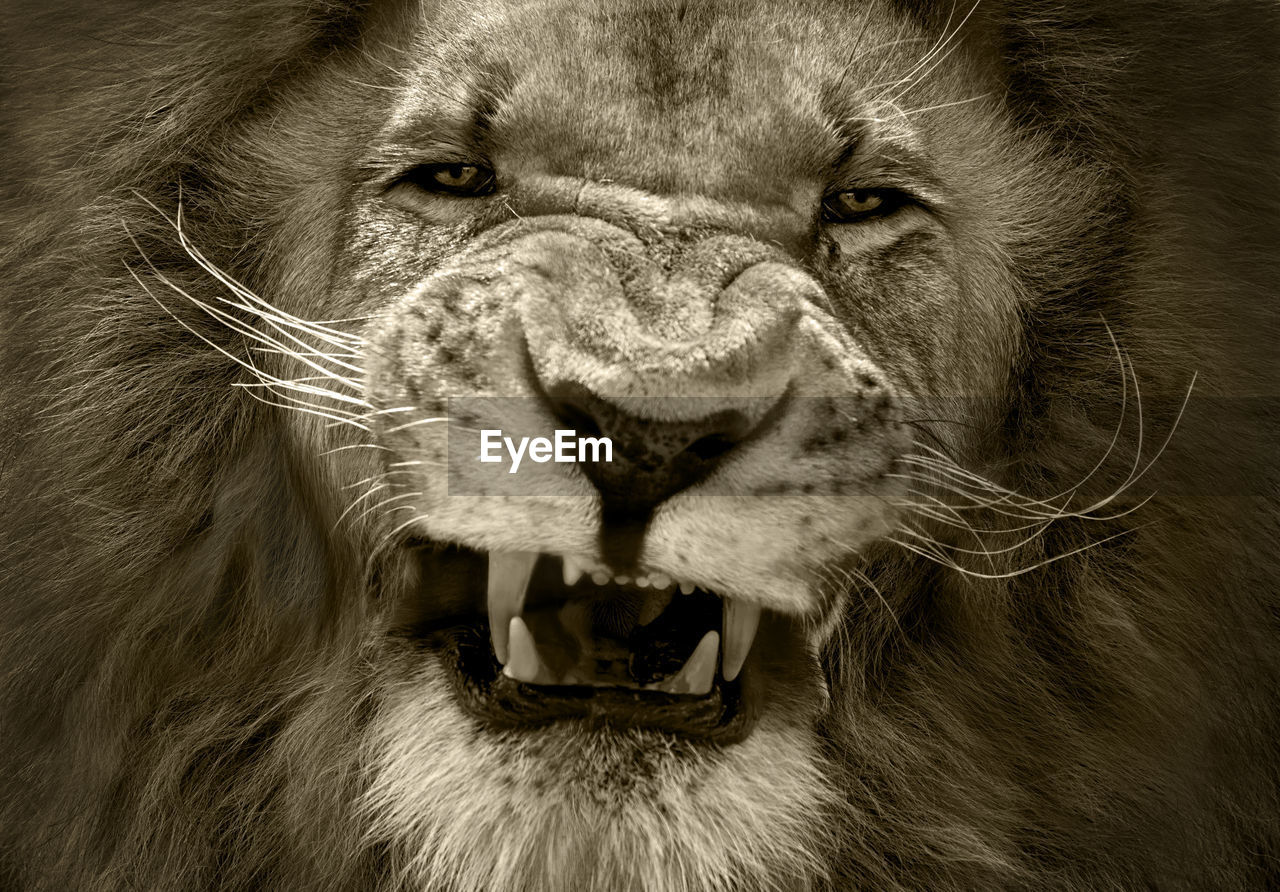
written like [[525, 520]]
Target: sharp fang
[[699, 671], [739, 623], [509, 573], [571, 570], [525, 665], [686, 588]]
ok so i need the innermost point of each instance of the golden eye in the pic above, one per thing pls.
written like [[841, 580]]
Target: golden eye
[[859, 201], [465, 180], [858, 204], [456, 176]]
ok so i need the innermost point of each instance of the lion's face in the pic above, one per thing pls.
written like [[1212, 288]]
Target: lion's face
[[835, 313], [748, 252]]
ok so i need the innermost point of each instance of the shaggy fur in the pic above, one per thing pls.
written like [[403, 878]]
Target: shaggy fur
[[1045, 658]]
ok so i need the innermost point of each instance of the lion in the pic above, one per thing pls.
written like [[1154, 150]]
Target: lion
[[639, 445]]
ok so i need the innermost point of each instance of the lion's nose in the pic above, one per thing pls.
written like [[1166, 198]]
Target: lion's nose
[[677, 362], [652, 459]]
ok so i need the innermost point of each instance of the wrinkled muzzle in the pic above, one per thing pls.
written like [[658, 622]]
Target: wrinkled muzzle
[[648, 419]]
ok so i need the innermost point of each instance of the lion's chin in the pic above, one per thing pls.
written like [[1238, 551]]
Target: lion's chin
[[530, 639], [640, 772], [577, 804]]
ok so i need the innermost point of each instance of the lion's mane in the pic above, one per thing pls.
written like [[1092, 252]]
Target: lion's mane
[[187, 679]]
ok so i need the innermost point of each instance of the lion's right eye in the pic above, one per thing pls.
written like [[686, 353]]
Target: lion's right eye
[[464, 180], [861, 204]]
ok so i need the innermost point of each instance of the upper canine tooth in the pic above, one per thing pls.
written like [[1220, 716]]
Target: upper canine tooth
[[572, 571], [739, 623], [509, 573], [699, 671], [686, 588]]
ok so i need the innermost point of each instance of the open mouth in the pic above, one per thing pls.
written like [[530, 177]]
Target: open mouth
[[560, 638]]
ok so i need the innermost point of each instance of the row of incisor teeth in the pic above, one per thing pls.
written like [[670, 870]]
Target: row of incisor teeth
[[574, 570]]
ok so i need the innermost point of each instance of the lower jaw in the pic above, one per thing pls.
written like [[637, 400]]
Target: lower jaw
[[726, 715]]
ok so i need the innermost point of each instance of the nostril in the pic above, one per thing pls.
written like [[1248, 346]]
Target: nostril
[[578, 419], [711, 446], [725, 430]]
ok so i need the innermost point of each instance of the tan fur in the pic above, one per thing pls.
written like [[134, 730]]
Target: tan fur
[[1013, 524]]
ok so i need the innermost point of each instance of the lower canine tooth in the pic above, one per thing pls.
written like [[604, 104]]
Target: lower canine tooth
[[525, 665], [509, 573], [739, 623], [699, 671]]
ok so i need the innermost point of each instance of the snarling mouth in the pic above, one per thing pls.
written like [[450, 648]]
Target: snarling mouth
[[564, 639]]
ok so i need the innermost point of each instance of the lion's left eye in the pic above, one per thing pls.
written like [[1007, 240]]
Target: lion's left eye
[[465, 180], [860, 204]]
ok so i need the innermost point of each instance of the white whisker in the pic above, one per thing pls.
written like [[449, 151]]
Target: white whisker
[[388, 501], [329, 452], [940, 475], [406, 426], [294, 385], [929, 108], [1022, 570]]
